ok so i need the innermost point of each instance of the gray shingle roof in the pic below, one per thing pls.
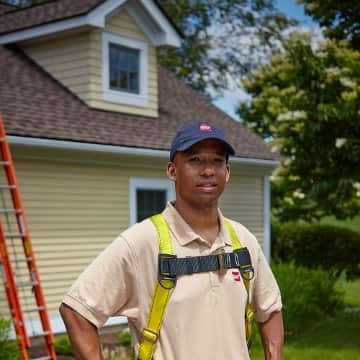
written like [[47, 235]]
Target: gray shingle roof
[[4, 7], [24, 18], [34, 104]]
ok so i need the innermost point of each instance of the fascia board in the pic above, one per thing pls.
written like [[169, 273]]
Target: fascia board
[[167, 34], [43, 30], [123, 150]]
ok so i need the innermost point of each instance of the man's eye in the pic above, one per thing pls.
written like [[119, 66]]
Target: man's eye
[[194, 159]]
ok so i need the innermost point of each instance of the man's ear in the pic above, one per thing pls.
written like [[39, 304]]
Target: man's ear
[[171, 171], [227, 173]]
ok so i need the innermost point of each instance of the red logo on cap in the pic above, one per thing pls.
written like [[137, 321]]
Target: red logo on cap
[[205, 127]]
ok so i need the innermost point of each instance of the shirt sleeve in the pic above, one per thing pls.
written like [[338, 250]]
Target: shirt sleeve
[[266, 297], [108, 286]]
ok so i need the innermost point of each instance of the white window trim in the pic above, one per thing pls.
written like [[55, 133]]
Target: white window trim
[[123, 97], [147, 184]]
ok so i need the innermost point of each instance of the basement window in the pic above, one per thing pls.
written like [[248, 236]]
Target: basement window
[[124, 70]]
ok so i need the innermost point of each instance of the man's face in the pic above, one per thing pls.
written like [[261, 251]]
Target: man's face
[[200, 173]]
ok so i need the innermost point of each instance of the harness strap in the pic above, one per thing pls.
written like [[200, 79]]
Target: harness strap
[[247, 276], [172, 266], [161, 296]]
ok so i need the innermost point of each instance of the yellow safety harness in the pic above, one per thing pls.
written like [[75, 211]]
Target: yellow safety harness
[[167, 282]]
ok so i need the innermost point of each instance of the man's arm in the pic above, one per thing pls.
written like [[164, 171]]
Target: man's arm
[[83, 335], [272, 336]]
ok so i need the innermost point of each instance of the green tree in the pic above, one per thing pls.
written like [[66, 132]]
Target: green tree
[[341, 19], [222, 39], [307, 102]]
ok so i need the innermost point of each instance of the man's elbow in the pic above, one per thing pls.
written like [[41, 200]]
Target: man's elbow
[[66, 313]]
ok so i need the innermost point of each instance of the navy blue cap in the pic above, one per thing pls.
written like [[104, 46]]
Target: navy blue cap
[[191, 134]]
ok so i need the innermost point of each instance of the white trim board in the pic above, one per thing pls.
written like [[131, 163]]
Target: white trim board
[[34, 327], [267, 217]]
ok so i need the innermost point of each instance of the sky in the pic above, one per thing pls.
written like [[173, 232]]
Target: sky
[[293, 10]]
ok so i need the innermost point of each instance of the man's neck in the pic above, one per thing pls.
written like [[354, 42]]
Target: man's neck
[[204, 221]]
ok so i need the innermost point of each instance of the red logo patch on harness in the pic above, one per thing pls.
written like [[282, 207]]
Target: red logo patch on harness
[[236, 275], [205, 127]]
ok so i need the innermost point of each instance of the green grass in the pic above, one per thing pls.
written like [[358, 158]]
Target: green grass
[[352, 224], [351, 291], [333, 338]]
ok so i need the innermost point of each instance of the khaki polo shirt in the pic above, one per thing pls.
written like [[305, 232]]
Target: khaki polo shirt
[[205, 315]]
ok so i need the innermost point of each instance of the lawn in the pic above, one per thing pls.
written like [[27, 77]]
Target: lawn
[[333, 338]]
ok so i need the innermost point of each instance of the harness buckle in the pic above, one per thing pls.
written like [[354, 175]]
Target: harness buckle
[[166, 278], [150, 336], [222, 262], [247, 272]]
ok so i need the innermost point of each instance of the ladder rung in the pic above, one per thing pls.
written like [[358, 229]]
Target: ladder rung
[[5, 163], [26, 283], [27, 259], [7, 187], [44, 333], [15, 236], [16, 211], [42, 358], [34, 309]]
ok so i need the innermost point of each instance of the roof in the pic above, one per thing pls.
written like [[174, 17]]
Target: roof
[[4, 7], [39, 14], [35, 105]]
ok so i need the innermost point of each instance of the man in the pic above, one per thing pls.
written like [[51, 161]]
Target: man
[[204, 318]]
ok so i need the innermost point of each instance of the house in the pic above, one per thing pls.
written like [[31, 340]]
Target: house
[[90, 116]]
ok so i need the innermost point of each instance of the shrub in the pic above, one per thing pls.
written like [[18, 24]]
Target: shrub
[[330, 248], [63, 346], [8, 348], [125, 338], [307, 294]]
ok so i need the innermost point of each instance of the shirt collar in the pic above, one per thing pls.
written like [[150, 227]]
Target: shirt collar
[[182, 231]]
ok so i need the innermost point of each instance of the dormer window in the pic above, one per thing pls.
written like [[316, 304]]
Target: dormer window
[[124, 68], [124, 62]]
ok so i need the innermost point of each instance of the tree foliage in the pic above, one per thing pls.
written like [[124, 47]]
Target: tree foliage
[[222, 39], [341, 19], [308, 102]]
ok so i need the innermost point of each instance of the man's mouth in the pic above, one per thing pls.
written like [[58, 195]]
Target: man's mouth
[[207, 186]]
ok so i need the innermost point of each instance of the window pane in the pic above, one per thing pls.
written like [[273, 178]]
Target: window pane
[[124, 68], [133, 61], [134, 83], [123, 83], [149, 202]]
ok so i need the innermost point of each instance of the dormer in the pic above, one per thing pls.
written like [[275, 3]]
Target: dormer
[[102, 51]]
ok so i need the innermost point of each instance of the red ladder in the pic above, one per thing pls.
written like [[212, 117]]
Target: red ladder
[[9, 256]]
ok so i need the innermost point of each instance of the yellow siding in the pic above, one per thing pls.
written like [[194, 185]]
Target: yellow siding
[[243, 201], [66, 58], [75, 59], [75, 209]]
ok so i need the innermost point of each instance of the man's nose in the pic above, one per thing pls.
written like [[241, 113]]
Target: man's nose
[[208, 168]]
